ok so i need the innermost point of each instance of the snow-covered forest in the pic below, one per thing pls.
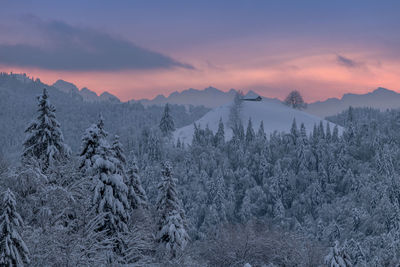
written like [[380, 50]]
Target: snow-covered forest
[[288, 199], [128, 120]]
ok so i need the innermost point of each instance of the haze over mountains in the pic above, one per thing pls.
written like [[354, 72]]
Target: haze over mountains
[[380, 98], [211, 97]]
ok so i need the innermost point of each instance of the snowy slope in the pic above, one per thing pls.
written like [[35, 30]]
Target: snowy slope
[[275, 115]]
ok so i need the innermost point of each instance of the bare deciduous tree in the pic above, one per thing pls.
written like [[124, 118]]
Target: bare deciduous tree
[[295, 100]]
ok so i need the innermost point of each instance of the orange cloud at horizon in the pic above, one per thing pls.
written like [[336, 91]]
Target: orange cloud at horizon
[[318, 76]]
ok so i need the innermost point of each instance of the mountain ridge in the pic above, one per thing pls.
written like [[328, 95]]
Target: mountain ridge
[[210, 97], [380, 98], [85, 94]]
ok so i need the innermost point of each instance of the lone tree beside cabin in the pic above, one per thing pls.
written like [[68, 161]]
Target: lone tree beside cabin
[[295, 100]]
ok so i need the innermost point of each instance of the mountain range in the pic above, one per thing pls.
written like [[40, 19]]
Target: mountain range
[[380, 98], [86, 94], [211, 97]]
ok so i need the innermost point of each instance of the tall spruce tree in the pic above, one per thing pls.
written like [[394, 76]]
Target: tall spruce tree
[[250, 135], [167, 125], [110, 191], [118, 153], [219, 138], [261, 132], [99, 162], [90, 146], [13, 251], [44, 142], [171, 225], [137, 197]]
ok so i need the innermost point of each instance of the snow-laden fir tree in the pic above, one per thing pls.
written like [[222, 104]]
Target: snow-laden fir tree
[[44, 142], [171, 225], [137, 197], [110, 192], [90, 145], [219, 138], [250, 135], [261, 132], [13, 251], [216, 213], [119, 156], [337, 257], [167, 125]]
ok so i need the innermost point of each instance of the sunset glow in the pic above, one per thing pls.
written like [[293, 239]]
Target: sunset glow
[[285, 55]]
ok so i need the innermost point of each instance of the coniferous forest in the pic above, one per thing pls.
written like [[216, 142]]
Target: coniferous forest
[[311, 197]]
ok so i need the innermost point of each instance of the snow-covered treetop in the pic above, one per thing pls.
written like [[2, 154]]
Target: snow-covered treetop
[[45, 141]]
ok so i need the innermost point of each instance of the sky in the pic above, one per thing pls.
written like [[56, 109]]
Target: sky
[[139, 49]]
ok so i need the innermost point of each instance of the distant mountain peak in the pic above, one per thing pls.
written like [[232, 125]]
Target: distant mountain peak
[[212, 89], [251, 94], [85, 89], [86, 94], [208, 97], [65, 87], [380, 98], [382, 90], [106, 96]]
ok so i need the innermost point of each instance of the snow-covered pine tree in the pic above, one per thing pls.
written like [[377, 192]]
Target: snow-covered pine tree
[[219, 138], [167, 125], [217, 189], [90, 144], [13, 251], [171, 225], [98, 161], [328, 132], [119, 156], [261, 132], [250, 135], [44, 142], [238, 133], [335, 134], [294, 131], [137, 197], [110, 191]]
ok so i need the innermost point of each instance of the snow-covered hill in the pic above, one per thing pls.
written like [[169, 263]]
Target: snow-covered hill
[[275, 115]]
